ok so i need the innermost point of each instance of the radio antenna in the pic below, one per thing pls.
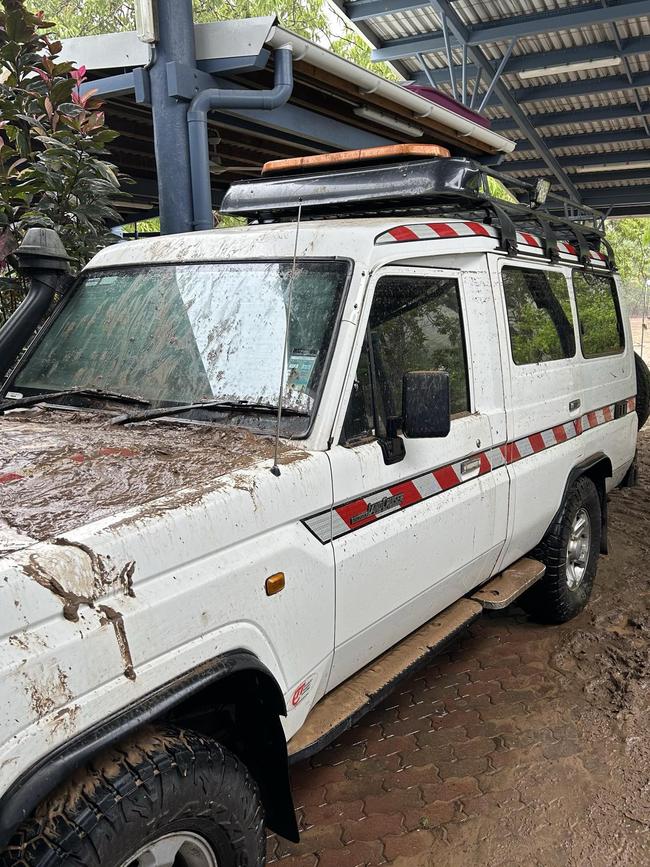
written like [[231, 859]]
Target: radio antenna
[[275, 469]]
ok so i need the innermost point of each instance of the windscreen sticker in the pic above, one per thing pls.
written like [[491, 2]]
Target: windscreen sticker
[[301, 366], [102, 280]]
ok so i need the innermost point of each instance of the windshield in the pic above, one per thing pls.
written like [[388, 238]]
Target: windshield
[[179, 334]]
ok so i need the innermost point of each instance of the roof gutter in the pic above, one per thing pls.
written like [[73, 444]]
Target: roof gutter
[[370, 83], [214, 98]]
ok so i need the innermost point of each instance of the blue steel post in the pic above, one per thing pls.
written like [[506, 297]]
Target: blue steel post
[[171, 141]]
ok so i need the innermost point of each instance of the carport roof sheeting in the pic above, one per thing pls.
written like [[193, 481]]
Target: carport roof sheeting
[[578, 76]]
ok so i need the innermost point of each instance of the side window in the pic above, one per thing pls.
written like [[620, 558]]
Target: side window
[[539, 315], [599, 315], [415, 324]]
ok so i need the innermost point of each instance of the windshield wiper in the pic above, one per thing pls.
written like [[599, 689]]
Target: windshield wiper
[[241, 406], [33, 399]]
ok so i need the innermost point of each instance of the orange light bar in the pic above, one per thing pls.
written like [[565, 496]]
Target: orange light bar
[[382, 153]]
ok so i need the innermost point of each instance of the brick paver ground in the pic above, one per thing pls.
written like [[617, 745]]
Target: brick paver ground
[[525, 744]]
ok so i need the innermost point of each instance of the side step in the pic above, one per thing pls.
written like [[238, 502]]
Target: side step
[[509, 585], [346, 704], [342, 707]]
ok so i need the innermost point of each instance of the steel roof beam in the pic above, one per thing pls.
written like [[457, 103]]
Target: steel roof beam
[[529, 62], [581, 87], [460, 31], [623, 196], [628, 69], [615, 136], [579, 160], [632, 211], [511, 28], [364, 10], [607, 177], [573, 116]]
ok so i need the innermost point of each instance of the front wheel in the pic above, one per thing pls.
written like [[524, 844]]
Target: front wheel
[[570, 552], [167, 798]]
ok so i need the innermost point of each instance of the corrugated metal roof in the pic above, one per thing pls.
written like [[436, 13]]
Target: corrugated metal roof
[[609, 98]]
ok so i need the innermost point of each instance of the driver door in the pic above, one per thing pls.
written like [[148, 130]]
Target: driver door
[[411, 536]]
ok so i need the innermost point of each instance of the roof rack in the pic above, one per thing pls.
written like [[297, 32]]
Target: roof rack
[[450, 187]]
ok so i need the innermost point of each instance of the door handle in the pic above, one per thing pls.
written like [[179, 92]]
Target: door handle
[[470, 467], [574, 405]]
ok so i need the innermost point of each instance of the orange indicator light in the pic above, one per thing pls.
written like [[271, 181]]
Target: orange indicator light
[[274, 583]]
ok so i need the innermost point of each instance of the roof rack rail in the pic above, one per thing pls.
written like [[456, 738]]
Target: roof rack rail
[[452, 187]]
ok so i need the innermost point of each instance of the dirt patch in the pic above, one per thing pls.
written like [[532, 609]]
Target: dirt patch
[[64, 469]]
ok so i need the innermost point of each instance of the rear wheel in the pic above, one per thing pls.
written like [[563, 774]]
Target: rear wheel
[[570, 552], [642, 389], [168, 798]]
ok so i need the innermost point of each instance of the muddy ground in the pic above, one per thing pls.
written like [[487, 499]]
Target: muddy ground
[[525, 745]]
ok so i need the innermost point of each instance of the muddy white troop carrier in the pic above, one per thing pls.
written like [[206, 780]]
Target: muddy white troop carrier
[[251, 477]]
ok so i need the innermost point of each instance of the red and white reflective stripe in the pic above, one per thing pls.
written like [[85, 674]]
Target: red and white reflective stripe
[[461, 229], [430, 231], [350, 516]]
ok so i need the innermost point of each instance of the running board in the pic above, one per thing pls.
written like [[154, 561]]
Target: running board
[[346, 704], [499, 592]]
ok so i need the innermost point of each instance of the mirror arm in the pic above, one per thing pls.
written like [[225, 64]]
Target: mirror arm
[[393, 449]]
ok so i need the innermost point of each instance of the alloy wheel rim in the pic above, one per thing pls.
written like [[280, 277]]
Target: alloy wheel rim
[[182, 849], [579, 545]]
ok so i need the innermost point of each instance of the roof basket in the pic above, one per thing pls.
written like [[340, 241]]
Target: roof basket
[[452, 187]]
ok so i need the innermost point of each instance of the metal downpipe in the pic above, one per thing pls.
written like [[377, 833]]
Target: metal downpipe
[[197, 122]]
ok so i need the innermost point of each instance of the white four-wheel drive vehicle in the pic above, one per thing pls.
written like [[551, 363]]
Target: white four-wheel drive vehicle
[[182, 592]]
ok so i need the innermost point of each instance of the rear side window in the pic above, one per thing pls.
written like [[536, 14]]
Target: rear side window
[[599, 316], [539, 315]]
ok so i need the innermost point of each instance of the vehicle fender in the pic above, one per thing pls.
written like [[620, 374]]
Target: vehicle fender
[[268, 754], [597, 467]]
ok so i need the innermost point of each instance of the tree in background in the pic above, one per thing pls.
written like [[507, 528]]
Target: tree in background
[[52, 144], [630, 239], [309, 18]]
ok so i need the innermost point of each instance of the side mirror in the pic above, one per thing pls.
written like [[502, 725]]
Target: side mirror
[[426, 407]]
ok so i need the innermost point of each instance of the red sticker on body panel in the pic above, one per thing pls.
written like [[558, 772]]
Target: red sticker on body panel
[[403, 233], [486, 466], [407, 492], [537, 442], [478, 228], [446, 477], [355, 514], [510, 452], [559, 433], [301, 691], [443, 230]]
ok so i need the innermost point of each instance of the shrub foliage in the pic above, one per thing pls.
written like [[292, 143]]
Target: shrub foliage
[[53, 171]]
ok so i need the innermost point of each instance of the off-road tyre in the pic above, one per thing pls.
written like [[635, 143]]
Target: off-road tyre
[[642, 389], [163, 781], [552, 600]]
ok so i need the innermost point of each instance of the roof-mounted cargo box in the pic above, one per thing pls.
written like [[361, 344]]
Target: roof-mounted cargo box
[[399, 181]]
